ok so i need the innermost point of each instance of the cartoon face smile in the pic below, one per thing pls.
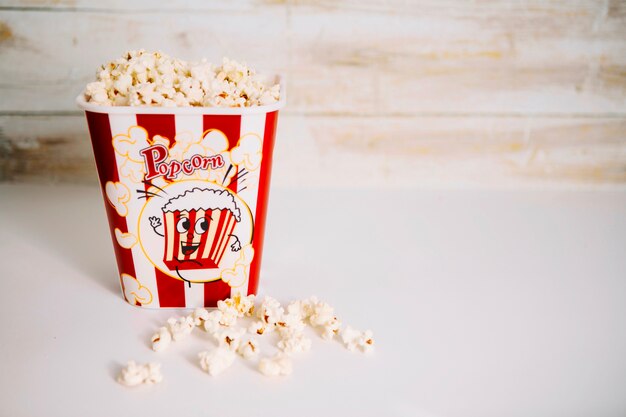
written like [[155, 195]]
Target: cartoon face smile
[[198, 228], [194, 236]]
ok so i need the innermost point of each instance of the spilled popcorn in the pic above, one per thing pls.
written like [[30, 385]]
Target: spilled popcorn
[[235, 327], [134, 374], [141, 78]]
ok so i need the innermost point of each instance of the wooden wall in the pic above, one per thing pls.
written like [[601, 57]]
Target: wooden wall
[[388, 92]]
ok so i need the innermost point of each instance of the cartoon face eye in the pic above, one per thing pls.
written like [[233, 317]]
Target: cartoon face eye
[[202, 225], [182, 225]]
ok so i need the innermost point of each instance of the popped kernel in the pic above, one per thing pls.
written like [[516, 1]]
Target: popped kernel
[[259, 327], [244, 304], [212, 322], [180, 327], [354, 339], [330, 329], [296, 343], [270, 311], [134, 374], [161, 339], [229, 312], [200, 315], [248, 349], [230, 337], [276, 366], [216, 361]]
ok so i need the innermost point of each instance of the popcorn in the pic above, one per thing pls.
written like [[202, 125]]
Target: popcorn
[[301, 308], [230, 338], [229, 312], [292, 321], [244, 304], [322, 315], [270, 311], [161, 339], [141, 78], [278, 365], [354, 339], [295, 343], [212, 322], [180, 327], [259, 327], [216, 361], [199, 316], [233, 339], [133, 374], [331, 328], [248, 349]]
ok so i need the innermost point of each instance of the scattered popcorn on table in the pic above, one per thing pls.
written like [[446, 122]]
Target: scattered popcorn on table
[[180, 327], [248, 349], [133, 374], [331, 328], [295, 343], [200, 315], [216, 361], [141, 78], [270, 311], [258, 327], [244, 304], [278, 365], [212, 322], [229, 312], [354, 339], [223, 324], [230, 338], [161, 339]]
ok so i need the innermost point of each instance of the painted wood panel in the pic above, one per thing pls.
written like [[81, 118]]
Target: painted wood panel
[[343, 58], [364, 151]]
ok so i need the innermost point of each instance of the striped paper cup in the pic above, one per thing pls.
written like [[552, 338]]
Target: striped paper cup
[[185, 192]]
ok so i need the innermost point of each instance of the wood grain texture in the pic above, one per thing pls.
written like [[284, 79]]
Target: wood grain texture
[[380, 152], [341, 58], [381, 93]]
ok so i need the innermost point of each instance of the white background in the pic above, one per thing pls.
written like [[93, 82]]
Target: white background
[[482, 303]]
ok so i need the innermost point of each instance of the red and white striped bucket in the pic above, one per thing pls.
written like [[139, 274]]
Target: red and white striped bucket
[[185, 193]]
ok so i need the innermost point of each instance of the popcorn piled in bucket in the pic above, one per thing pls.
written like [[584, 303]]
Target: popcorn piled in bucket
[[234, 337], [141, 78]]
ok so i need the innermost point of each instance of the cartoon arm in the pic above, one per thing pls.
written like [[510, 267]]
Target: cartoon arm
[[236, 246], [155, 222]]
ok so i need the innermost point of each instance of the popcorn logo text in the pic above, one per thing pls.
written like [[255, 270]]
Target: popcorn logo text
[[155, 158]]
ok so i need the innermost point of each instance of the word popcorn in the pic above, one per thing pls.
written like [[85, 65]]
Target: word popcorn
[[234, 338]]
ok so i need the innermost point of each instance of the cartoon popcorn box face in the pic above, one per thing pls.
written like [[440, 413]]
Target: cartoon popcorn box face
[[198, 227]]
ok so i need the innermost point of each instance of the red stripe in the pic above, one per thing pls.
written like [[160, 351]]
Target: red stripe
[[192, 219], [262, 197], [224, 235], [205, 235], [229, 125], [175, 252], [102, 142], [171, 290], [218, 234], [225, 244]]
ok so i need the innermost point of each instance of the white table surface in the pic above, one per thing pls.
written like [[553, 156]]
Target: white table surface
[[482, 302]]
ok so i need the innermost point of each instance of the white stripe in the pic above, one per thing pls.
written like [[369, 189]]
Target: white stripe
[[255, 124], [144, 270], [191, 124]]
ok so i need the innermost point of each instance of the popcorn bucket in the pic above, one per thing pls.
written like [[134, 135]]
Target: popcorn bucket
[[185, 192]]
